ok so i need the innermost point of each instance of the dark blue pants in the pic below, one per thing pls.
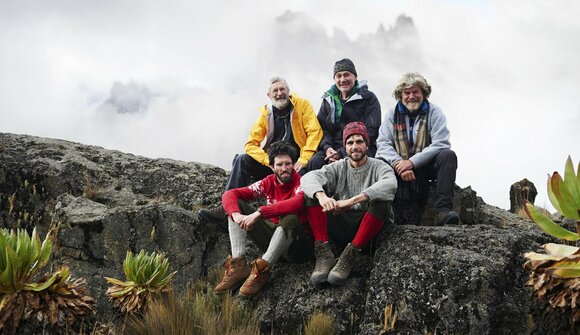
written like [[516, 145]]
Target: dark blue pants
[[244, 167], [443, 169]]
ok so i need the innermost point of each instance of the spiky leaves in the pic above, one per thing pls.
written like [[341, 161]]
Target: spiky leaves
[[21, 256], [564, 195], [52, 299], [146, 275], [555, 276]]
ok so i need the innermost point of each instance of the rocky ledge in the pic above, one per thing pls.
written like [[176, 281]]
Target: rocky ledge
[[464, 279]]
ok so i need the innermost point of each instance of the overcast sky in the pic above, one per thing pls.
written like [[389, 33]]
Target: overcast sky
[[184, 79]]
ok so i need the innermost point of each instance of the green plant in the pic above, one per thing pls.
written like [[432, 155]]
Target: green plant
[[555, 275], [22, 256], [320, 323], [146, 276]]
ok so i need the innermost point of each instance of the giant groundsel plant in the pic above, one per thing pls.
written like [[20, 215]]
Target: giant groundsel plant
[[555, 275]]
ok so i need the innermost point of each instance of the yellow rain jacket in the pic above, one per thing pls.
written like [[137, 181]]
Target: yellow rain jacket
[[305, 129]]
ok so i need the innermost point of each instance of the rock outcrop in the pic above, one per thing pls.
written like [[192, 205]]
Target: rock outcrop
[[454, 279]]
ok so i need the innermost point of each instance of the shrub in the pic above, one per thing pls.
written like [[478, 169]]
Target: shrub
[[54, 299], [146, 275], [555, 275]]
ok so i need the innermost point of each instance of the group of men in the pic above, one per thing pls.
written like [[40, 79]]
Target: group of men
[[331, 177]]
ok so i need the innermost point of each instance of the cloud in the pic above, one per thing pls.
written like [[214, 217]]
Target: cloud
[[504, 73]]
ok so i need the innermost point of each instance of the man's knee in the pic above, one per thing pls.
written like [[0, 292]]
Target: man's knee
[[380, 209], [289, 222], [245, 208], [243, 160], [310, 202], [447, 156], [316, 162]]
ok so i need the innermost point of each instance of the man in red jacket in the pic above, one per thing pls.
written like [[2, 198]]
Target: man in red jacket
[[278, 228]]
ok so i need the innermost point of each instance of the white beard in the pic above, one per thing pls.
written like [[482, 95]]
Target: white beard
[[281, 103], [412, 106]]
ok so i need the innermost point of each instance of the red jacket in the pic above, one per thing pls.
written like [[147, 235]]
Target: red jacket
[[281, 199]]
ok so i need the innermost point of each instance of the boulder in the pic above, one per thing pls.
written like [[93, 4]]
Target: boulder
[[458, 279]]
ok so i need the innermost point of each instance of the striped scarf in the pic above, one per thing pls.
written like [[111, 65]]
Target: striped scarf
[[407, 146]]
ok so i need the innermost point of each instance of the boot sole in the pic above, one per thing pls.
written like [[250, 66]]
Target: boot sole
[[451, 220], [230, 290], [334, 280], [320, 279]]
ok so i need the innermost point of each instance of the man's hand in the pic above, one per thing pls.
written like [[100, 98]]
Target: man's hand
[[246, 222], [408, 175], [403, 166], [298, 166], [327, 204], [343, 205], [331, 155]]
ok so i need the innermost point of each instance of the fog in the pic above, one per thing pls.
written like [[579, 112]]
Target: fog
[[184, 79]]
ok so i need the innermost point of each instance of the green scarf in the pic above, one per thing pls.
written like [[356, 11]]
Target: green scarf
[[334, 93]]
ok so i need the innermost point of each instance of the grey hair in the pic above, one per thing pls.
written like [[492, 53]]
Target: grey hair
[[277, 79], [412, 79]]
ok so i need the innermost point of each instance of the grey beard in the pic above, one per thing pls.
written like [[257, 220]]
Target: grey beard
[[280, 104], [412, 106]]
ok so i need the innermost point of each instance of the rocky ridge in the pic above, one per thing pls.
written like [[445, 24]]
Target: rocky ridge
[[454, 279]]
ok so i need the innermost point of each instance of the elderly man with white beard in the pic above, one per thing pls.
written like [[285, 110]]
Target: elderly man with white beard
[[414, 140], [288, 118]]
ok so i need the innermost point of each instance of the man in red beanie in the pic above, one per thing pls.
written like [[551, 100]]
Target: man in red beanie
[[347, 201]]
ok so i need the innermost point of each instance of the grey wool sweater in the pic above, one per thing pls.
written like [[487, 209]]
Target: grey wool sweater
[[341, 181]]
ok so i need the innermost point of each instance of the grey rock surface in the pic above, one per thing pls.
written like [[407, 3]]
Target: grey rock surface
[[464, 279]]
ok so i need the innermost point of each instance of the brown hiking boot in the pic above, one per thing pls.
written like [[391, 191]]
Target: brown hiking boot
[[236, 271], [324, 262], [259, 277], [346, 261]]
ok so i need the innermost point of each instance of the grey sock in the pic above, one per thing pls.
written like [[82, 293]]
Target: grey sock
[[278, 244], [237, 238]]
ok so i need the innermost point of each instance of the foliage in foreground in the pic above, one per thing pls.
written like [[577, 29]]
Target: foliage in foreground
[[54, 299], [320, 323], [147, 275], [199, 311], [555, 275]]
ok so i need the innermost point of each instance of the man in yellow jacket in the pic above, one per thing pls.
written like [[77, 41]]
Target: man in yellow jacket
[[288, 118]]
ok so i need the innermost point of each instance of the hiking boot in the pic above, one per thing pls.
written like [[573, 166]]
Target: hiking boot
[[324, 262], [236, 271], [346, 261], [211, 215], [444, 218], [259, 276]]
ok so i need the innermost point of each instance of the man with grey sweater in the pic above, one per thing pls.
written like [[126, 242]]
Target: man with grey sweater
[[414, 140], [347, 201]]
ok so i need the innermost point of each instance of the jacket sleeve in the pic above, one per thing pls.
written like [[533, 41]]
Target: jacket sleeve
[[324, 120], [293, 205], [386, 141], [439, 139], [385, 187], [230, 198], [257, 135], [372, 121], [313, 133]]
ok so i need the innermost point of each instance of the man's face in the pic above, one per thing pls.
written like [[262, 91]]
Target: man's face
[[356, 147], [412, 98], [283, 168], [278, 93], [344, 80]]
